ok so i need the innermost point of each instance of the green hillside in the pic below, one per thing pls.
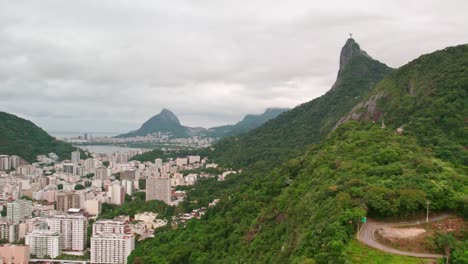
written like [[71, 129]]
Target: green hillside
[[23, 138], [288, 134], [305, 210], [428, 97]]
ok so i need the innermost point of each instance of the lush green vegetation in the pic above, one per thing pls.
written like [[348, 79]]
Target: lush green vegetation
[[305, 210], [453, 245], [86, 257], [23, 138], [210, 171], [428, 97], [135, 206], [166, 155], [359, 253]]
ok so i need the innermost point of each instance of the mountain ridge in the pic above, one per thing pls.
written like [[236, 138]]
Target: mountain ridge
[[22, 137], [249, 122], [167, 121]]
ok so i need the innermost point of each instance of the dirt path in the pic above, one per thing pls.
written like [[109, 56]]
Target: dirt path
[[366, 236]]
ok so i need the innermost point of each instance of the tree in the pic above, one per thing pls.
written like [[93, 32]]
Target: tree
[[142, 184], [447, 242], [105, 163], [140, 195], [24, 197], [60, 186], [79, 187]]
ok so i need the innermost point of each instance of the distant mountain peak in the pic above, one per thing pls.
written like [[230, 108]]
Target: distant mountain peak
[[354, 61], [168, 115], [350, 50], [165, 121], [166, 111]]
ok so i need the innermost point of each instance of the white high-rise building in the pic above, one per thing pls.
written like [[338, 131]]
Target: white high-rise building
[[9, 231], [75, 157], [193, 159], [89, 164], [4, 163], [44, 243], [101, 173], [158, 163], [109, 226], [15, 161], [111, 248], [111, 242], [129, 186], [19, 210], [116, 193], [158, 189], [69, 168], [73, 229], [121, 157]]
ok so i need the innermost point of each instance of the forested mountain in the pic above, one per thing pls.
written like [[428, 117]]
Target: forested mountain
[[166, 121], [305, 210], [23, 138], [428, 98], [248, 123], [288, 134]]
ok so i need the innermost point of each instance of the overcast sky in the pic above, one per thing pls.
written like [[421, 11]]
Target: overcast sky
[[110, 65]]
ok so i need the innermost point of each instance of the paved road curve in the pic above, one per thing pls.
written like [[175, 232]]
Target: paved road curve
[[366, 236]]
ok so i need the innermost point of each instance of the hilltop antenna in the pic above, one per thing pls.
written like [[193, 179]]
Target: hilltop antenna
[[350, 35]]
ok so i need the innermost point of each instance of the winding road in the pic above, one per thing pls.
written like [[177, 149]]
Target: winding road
[[366, 236]]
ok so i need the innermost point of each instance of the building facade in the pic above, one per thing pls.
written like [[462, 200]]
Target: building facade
[[44, 243], [111, 242], [111, 248], [73, 229], [158, 189], [19, 210], [14, 254], [68, 200], [75, 157]]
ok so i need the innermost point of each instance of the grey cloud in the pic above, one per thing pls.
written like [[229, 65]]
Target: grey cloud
[[109, 65]]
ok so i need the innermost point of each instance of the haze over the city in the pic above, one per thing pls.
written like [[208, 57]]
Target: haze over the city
[[110, 65]]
